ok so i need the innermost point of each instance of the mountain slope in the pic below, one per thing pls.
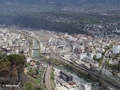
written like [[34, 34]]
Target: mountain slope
[[62, 2]]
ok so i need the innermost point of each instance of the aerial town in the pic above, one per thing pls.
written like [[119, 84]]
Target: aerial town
[[59, 44], [97, 59]]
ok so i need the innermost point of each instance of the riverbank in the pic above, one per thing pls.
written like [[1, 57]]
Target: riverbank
[[79, 73]]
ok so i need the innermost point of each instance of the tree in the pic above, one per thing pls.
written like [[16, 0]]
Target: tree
[[100, 81], [29, 86], [51, 61], [18, 60], [94, 57]]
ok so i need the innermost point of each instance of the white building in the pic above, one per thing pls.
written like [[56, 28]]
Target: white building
[[82, 55], [1, 42], [91, 55], [87, 87], [4, 38], [16, 51], [113, 62], [116, 49], [28, 59], [67, 57], [10, 42], [90, 61], [98, 55]]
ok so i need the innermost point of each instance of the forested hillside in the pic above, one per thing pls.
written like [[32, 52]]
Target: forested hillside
[[62, 2], [59, 15]]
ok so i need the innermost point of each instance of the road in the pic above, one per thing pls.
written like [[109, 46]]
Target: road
[[47, 77]]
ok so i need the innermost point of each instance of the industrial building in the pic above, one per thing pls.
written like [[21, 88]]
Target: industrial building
[[65, 76]]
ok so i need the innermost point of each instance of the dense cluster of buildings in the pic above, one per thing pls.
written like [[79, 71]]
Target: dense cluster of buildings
[[80, 48], [91, 53], [12, 43]]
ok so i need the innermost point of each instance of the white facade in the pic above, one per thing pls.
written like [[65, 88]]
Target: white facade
[[92, 55], [87, 87], [98, 55], [28, 59], [82, 55], [1, 43], [116, 49], [10, 42], [67, 56], [16, 51], [5, 39], [90, 61]]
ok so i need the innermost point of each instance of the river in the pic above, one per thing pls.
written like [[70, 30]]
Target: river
[[36, 55]]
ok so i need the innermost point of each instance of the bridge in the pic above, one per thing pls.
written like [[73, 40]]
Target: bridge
[[35, 48]]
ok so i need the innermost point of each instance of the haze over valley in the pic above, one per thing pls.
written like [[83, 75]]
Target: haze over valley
[[59, 15], [59, 44]]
